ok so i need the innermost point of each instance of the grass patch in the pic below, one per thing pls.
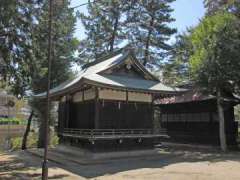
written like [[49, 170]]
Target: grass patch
[[16, 143]]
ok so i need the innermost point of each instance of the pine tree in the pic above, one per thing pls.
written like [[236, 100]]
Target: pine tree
[[94, 44], [176, 69], [213, 6], [148, 30], [23, 48], [64, 44], [104, 28], [16, 22], [142, 23]]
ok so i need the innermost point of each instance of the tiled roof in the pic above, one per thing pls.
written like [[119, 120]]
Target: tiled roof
[[90, 74], [196, 94], [132, 83]]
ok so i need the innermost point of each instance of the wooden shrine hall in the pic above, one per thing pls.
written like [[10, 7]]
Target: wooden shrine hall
[[192, 117], [109, 105]]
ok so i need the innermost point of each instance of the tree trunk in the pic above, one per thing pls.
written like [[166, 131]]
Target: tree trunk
[[115, 27], [146, 53], [41, 135], [25, 136], [222, 134], [42, 115], [42, 128]]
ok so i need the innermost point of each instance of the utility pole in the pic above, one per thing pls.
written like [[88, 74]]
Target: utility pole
[[45, 160]]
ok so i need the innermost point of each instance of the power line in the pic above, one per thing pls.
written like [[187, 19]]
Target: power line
[[79, 5], [84, 4]]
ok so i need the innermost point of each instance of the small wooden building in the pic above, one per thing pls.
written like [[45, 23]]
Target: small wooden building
[[109, 105], [193, 118]]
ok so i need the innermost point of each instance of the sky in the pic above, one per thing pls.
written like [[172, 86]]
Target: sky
[[186, 12]]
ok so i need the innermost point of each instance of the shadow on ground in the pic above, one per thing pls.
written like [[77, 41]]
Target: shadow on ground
[[13, 167], [167, 157], [23, 161]]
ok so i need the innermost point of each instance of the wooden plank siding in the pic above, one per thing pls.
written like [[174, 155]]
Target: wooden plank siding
[[197, 122], [112, 114]]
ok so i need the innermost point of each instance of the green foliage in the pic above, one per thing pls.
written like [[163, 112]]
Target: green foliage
[[147, 27], [176, 70], [24, 32], [54, 140], [216, 43], [64, 44], [237, 113], [4, 121], [16, 22], [143, 23], [104, 28], [214, 6], [23, 47], [204, 37], [16, 142]]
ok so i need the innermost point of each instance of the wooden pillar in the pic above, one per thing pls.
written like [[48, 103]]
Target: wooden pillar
[[60, 117], [67, 106], [96, 117], [83, 95], [126, 112], [152, 109]]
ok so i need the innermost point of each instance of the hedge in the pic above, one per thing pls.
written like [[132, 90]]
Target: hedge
[[16, 121]]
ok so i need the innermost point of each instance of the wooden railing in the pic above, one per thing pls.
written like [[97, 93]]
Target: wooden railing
[[111, 133]]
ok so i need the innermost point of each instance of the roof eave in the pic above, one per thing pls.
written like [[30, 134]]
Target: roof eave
[[103, 85], [58, 94]]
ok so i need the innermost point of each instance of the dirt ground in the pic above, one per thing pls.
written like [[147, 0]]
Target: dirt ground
[[173, 164]]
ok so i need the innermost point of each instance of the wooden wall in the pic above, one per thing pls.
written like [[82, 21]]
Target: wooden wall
[[197, 122], [76, 115], [112, 115], [82, 115], [117, 110], [122, 115]]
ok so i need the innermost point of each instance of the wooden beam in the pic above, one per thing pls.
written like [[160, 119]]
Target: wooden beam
[[96, 118], [126, 110], [67, 106], [83, 95], [152, 109]]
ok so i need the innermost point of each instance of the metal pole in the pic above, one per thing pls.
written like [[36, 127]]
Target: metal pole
[[8, 128], [45, 161]]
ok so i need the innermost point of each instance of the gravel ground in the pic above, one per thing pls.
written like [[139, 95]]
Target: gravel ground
[[174, 164]]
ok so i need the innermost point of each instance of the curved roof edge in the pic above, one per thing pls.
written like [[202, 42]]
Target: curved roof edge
[[90, 75]]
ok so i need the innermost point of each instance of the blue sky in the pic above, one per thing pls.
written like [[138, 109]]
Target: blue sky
[[186, 12]]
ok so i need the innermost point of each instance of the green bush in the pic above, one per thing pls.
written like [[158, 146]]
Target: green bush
[[16, 143], [54, 140], [5, 121]]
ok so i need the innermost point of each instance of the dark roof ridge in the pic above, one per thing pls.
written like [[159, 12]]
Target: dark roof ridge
[[104, 57]]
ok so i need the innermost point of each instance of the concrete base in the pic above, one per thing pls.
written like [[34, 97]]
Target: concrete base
[[65, 155], [110, 145], [81, 156], [192, 146], [104, 155]]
